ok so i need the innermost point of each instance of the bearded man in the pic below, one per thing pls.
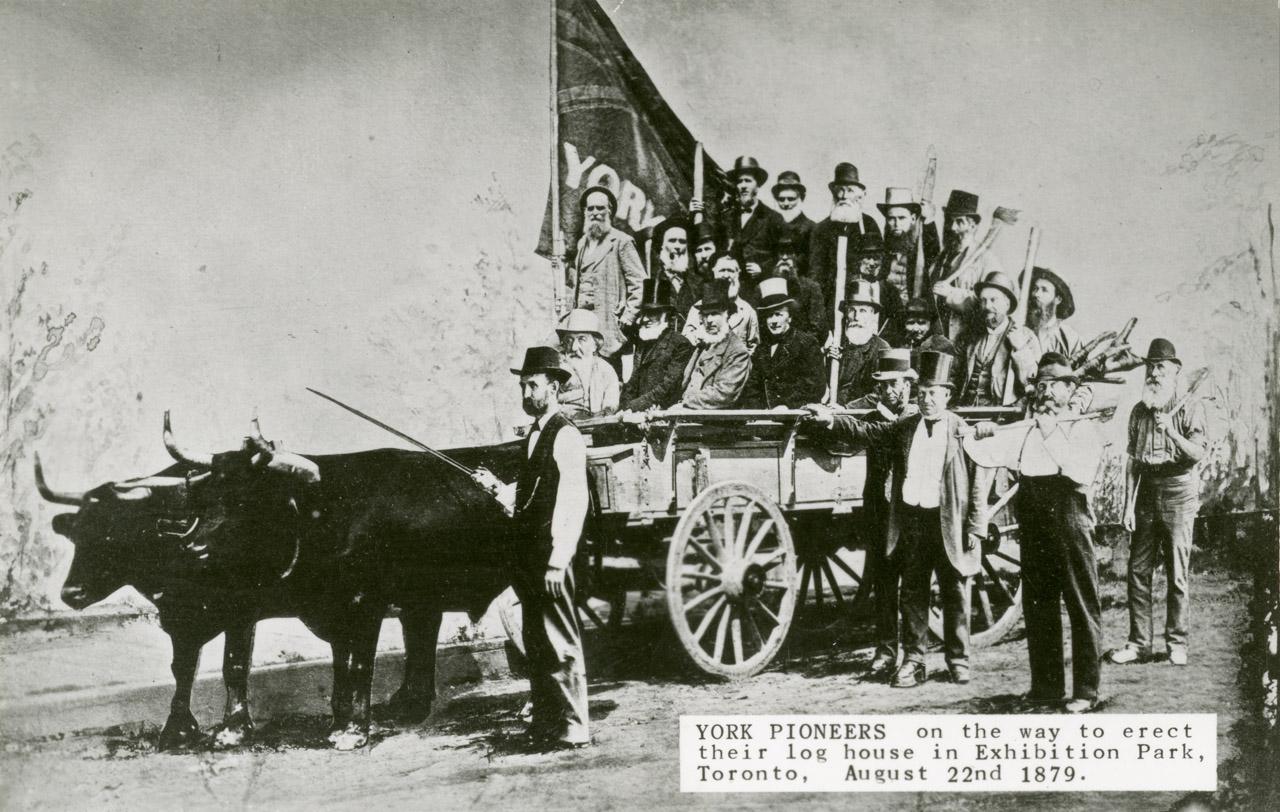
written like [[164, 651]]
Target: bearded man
[[1050, 306], [672, 258], [890, 401], [717, 373], [1167, 441], [1057, 459], [592, 387], [742, 317], [811, 308], [606, 272], [871, 268], [752, 228], [918, 334], [787, 368], [846, 219], [661, 352], [999, 356], [953, 275], [908, 228], [789, 193], [860, 347]]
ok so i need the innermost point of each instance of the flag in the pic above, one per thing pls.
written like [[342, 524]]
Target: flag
[[617, 131]]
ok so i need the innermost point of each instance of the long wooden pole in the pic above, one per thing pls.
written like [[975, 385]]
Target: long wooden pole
[[557, 238], [837, 333], [1019, 314], [697, 188]]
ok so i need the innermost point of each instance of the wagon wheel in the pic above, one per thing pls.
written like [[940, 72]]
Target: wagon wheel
[[833, 573], [731, 579], [601, 614], [995, 598]]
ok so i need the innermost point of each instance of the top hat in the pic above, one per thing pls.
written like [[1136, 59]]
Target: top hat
[[1002, 283], [580, 320], [545, 360], [746, 165], [613, 200], [657, 293], [715, 296], [789, 180], [1054, 366], [918, 308], [863, 292], [845, 173], [895, 197], [1161, 349], [894, 364], [674, 221], [935, 369], [962, 204], [773, 294], [1068, 304]]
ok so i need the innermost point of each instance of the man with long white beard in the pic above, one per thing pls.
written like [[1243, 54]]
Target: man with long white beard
[[1167, 441], [787, 368], [661, 352], [1057, 460], [672, 257], [860, 347], [550, 504], [1050, 306], [907, 223], [890, 401], [592, 388], [999, 356], [789, 194], [847, 219], [742, 317], [718, 370], [606, 272], [952, 277]]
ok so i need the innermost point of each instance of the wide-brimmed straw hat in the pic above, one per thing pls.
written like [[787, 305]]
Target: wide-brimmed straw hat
[[581, 321]]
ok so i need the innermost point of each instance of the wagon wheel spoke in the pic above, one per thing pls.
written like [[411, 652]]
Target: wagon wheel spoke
[[705, 555], [831, 578], [773, 560], [708, 619], [780, 584], [721, 631], [744, 527], [997, 583], [761, 533], [984, 602], [1011, 559], [591, 614], [735, 627], [804, 584], [695, 574], [729, 536], [857, 579], [759, 604], [702, 598], [758, 640]]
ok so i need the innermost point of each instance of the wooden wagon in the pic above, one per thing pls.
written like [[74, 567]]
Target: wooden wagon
[[748, 523]]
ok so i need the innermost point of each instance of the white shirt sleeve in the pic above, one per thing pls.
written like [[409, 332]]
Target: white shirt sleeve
[[570, 454]]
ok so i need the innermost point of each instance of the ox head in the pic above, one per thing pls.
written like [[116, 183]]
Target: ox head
[[144, 531]]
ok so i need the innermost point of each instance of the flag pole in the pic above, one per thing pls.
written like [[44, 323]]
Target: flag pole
[[557, 238]]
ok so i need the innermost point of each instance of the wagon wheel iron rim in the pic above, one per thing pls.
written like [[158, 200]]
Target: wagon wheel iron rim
[[731, 579]]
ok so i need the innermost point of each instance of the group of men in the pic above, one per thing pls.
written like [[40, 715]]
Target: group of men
[[905, 363]]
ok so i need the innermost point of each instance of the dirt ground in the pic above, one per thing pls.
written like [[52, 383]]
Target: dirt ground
[[465, 755]]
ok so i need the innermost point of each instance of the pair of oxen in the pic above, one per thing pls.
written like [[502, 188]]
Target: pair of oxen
[[220, 541]]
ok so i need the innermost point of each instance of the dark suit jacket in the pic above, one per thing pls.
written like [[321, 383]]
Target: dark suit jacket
[[756, 241], [792, 376], [798, 230], [658, 372], [822, 251], [960, 505]]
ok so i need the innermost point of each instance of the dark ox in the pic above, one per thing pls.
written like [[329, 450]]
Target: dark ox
[[219, 542]]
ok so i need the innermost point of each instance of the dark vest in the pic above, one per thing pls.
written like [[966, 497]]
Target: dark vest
[[536, 490]]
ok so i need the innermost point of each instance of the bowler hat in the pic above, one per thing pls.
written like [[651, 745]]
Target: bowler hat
[[871, 244], [962, 204], [863, 292], [545, 360], [715, 296], [789, 180], [657, 293], [581, 320], [1054, 366], [773, 294], [845, 174], [1068, 304], [613, 201], [705, 236], [1161, 349], [935, 368], [746, 165], [1002, 283], [893, 364], [895, 197], [919, 308]]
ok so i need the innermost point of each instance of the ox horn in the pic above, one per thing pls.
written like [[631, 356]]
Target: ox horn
[[197, 459], [60, 497]]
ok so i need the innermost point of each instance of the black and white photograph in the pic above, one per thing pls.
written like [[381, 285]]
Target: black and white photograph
[[639, 404]]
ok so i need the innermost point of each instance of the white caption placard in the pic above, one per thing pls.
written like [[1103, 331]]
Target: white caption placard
[[1030, 753]]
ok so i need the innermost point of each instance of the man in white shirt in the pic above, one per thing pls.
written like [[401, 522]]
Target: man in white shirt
[[934, 515], [550, 503]]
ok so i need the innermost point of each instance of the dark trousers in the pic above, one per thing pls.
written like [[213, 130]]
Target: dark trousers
[[885, 574], [553, 649], [921, 553], [1058, 567]]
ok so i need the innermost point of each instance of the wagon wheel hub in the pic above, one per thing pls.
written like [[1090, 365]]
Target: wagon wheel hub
[[742, 579]]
